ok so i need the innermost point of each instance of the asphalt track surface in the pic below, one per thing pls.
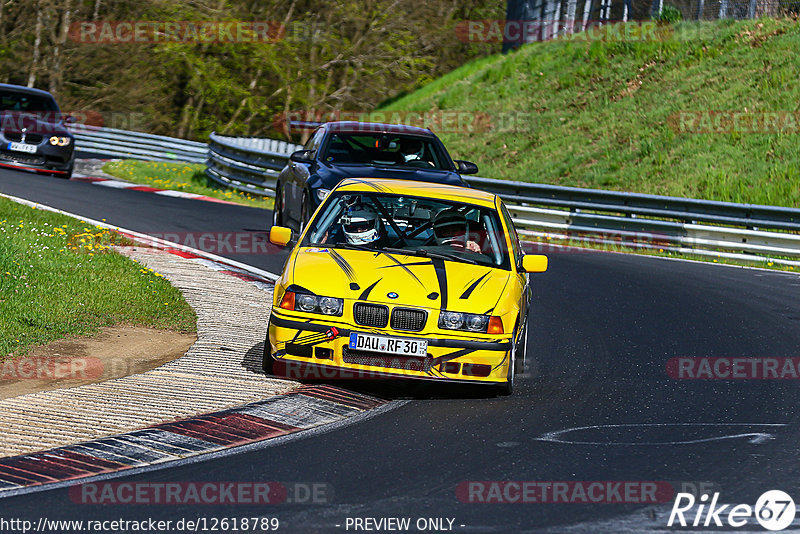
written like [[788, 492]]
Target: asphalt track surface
[[602, 329]]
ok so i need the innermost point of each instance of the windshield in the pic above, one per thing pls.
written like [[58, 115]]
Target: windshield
[[385, 150], [25, 102], [410, 225]]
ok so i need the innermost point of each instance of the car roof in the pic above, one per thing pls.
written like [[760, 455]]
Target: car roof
[[23, 89], [376, 127], [393, 186]]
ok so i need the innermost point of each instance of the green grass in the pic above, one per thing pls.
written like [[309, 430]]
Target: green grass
[[60, 278], [179, 176], [603, 114]]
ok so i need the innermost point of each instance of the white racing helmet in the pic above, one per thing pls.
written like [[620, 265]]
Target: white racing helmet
[[361, 224]]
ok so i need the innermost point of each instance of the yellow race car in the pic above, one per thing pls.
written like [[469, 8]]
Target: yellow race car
[[403, 279]]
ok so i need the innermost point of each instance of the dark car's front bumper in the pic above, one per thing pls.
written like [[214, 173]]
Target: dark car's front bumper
[[47, 158]]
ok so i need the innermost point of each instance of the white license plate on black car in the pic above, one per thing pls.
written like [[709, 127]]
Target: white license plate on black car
[[22, 147], [388, 345]]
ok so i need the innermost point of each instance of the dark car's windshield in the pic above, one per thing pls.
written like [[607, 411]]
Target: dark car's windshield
[[412, 225], [394, 150], [26, 102]]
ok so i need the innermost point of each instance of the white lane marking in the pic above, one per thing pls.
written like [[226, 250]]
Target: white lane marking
[[558, 436], [148, 240], [115, 184], [179, 194]]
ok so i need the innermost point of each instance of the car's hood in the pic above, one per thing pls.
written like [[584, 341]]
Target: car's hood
[[410, 280], [333, 174]]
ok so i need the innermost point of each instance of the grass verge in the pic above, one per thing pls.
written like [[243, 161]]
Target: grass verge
[[651, 116], [188, 177], [61, 278]]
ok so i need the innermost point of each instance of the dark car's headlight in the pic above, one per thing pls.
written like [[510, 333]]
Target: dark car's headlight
[[470, 322], [60, 141], [311, 303]]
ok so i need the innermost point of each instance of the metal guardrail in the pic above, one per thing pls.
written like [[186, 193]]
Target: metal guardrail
[[136, 145], [247, 164], [569, 214]]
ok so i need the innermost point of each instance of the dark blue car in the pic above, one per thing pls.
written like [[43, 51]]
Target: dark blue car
[[339, 150]]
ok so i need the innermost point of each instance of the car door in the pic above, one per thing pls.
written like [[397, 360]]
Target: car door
[[299, 174]]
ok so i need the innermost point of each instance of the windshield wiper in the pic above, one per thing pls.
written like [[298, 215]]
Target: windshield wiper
[[429, 254]]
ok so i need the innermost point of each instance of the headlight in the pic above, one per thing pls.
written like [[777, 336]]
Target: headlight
[[322, 193], [311, 303], [469, 322], [60, 141]]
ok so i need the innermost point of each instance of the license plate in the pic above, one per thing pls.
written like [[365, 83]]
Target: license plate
[[22, 147], [388, 345]]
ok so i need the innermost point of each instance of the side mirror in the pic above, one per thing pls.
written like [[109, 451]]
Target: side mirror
[[280, 235], [466, 167], [302, 156], [69, 119], [534, 263]]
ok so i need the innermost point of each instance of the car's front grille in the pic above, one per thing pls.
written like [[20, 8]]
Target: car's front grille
[[371, 314], [409, 363], [31, 139], [408, 319], [21, 157]]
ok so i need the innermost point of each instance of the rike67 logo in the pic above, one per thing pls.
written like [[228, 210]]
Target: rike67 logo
[[774, 510]]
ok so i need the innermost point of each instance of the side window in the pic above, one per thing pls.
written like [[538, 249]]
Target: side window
[[516, 248], [315, 141]]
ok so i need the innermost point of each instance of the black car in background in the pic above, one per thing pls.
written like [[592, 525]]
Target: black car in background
[[339, 150], [33, 134]]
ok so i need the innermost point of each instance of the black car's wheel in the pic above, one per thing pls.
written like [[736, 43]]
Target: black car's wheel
[[277, 210], [66, 175]]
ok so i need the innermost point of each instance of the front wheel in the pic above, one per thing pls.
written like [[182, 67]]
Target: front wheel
[[516, 364], [268, 362]]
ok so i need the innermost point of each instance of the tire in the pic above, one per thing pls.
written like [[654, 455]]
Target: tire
[[268, 362], [277, 210], [519, 350]]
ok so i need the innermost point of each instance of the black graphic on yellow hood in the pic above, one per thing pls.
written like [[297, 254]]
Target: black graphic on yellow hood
[[441, 278], [431, 283], [405, 266], [467, 292], [364, 294], [343, 264]]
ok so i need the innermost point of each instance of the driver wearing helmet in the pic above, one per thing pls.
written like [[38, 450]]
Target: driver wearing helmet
[[411, 149], [361, 225], [450, 227]]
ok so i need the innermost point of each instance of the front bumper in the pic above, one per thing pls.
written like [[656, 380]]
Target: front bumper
[[48, 158], [318, 348]]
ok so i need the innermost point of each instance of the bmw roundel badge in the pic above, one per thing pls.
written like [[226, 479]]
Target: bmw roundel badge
[[392, 295]]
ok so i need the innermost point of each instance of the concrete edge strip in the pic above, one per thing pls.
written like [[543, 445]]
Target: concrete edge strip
[[118, 184], [302, 409], [161, 244]]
